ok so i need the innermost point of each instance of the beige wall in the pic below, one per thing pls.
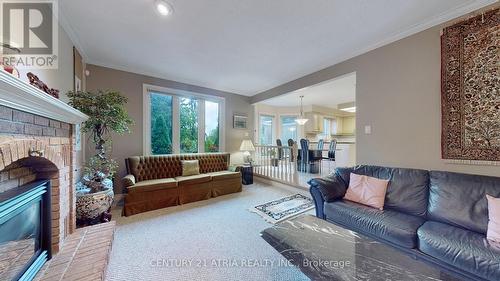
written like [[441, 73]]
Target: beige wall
[[62, 77], [398, 94], [130, 85]]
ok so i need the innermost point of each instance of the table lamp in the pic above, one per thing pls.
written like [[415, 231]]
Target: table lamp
[[247, 146]]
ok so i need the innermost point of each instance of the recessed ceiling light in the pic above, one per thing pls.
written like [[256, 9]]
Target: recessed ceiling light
[[164, 8]]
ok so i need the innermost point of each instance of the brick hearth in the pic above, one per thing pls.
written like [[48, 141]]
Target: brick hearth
[[84, 255], [22, 132]]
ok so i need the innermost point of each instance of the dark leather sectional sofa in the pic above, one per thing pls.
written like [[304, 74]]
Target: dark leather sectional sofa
[[439, 217]]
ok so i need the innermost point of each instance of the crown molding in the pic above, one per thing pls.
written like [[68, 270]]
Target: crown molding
[[66, 26], [428, 23], [17, 94]]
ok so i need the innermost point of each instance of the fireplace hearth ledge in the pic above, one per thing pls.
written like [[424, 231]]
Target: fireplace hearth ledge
[[84, 255]]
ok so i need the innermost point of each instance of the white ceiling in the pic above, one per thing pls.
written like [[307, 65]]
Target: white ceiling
[[244, 46], [327, 94]]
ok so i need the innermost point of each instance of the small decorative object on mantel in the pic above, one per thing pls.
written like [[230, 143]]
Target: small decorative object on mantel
[[35, 153], [10, 69], [470, 91], [35, 81]]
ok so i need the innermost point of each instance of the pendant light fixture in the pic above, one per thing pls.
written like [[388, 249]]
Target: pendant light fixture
[[302, 119]]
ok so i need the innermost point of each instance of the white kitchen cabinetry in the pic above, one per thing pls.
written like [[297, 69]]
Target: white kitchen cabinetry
[[345, 126], [314, 124]]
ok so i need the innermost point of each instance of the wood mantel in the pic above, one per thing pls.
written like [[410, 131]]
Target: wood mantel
[[20, 95]]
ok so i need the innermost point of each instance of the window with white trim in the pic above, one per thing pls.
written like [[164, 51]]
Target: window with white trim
[[178, 121], [288, 128], [266, 129], [327, 128]]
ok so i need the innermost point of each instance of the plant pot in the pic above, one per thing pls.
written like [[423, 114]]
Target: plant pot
[[90, 206]]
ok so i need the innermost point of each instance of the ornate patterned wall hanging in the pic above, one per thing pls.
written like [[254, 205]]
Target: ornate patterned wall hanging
[[470, 90]]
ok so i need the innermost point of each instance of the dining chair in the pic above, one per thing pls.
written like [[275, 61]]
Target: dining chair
[[290, 144], [321, 145], [331, 153], [304, 155], [280, 150]]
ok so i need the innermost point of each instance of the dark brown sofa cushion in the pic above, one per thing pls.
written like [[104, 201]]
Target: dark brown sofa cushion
[[150, 185], [222, 175], [194, 179]]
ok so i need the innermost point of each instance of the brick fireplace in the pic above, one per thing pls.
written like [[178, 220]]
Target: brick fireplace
[[32, 148], [40, 162], [37, 144]]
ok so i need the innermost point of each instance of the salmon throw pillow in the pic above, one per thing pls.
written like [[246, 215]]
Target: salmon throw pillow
[[493, 233], [367, 191]]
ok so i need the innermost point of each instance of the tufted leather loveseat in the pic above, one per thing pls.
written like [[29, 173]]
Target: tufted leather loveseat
[[155, 182]]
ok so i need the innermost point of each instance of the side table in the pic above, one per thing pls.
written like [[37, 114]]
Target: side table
[[246, 175]]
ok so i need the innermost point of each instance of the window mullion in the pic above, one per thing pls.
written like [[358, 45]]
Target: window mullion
[[201, 126], [222, 134], [176, 130]]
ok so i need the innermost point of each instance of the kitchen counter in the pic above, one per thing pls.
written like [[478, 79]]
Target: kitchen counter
[[345, 155]]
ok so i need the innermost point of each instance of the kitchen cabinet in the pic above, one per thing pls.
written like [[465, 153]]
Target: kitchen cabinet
[[345, 126], [314, 124], [349, 125]]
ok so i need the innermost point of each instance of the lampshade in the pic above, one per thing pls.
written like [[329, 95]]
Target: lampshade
[[247, 145]]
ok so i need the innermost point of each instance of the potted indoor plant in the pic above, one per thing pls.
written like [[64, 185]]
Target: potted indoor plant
[[107, 114]]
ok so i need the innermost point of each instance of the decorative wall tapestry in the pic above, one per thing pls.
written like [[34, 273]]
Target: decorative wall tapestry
[[470, 90]]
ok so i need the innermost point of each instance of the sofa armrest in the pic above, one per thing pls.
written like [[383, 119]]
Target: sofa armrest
[[128, 180], [326, 189], [234, 168]]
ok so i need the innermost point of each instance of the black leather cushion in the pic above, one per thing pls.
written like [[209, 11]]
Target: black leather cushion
[[393, 226], [464, 249], [407, 190], [331, 187], [460, 199], [344, 173]]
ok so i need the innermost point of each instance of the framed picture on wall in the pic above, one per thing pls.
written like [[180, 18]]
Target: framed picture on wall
[[240, 121]]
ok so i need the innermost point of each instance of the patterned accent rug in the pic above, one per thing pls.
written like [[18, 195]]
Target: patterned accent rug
[[469, 89], [284, 208]]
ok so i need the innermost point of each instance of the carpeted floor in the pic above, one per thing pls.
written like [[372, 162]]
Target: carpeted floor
[[216, 239]]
